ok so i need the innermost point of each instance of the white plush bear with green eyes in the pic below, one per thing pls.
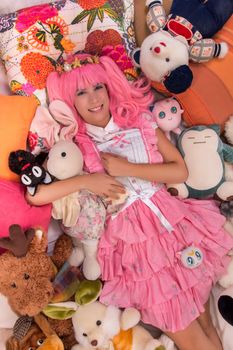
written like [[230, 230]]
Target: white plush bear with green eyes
[[204, 154]]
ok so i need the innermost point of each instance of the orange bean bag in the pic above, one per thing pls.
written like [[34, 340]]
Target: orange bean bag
[[210, 98]]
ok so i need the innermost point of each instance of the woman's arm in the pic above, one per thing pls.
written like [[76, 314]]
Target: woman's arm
[[173, 170], [100, 184]]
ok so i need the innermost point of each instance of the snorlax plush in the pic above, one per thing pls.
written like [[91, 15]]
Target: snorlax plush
[[204, 154]]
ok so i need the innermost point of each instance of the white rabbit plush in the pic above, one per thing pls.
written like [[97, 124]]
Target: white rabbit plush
[[82, 213]]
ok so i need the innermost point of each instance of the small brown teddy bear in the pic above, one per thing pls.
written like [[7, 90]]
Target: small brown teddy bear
[[34, 334]]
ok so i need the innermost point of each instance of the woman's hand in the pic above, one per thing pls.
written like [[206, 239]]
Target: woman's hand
[[115, 165], [103, 185]]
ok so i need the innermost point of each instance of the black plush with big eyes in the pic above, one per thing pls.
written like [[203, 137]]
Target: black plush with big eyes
[[25, 164], [98, 323]]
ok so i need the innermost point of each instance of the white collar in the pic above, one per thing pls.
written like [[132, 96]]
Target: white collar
[[100, 134]]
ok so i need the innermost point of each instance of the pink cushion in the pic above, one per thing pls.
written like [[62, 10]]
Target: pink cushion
[[15, 210]]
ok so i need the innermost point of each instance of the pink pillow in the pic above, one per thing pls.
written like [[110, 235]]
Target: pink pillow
[[14, 209]]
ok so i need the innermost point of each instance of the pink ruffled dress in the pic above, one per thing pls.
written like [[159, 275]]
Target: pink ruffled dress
[[140, 251]]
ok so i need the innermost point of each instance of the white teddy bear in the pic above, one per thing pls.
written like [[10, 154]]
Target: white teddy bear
[[101, 327], [185, 34]]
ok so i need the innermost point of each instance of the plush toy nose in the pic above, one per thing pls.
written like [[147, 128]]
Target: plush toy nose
[[157, 49], [94, 342]]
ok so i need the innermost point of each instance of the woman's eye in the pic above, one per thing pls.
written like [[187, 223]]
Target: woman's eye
[[173, 109], [80, 93], [99, 86], [161, 115]]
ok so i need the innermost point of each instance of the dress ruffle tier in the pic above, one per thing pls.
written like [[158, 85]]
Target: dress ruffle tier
[[141, 261]]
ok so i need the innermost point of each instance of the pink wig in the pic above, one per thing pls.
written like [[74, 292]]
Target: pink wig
[[127, 100]]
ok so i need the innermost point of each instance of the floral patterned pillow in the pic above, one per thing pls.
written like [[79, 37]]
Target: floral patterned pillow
[[35, 39]]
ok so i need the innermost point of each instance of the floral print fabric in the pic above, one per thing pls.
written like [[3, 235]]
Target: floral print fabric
[[34, 40]]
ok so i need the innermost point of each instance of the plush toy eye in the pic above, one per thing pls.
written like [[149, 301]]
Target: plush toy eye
[[167, 59], [162, 115], [198, 254], [13, 285], [26, 276], [40, 341], [30, 348], [85, 334], [37, 172], [98, 323], [63, 154], [26, 180], [173, 109], [190, 261]]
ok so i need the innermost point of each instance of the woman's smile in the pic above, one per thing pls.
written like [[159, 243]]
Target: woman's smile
[[96, 109]]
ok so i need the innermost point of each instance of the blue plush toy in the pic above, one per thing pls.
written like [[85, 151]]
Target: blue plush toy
[[204, 154], [182, 36]]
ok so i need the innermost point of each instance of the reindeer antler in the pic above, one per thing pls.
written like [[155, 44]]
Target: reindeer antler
[[18, 240]]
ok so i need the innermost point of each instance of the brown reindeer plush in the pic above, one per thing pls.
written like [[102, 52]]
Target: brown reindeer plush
[[26, 277], [26, 272]]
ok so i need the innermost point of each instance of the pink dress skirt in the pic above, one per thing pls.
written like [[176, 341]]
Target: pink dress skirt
[[140, 251]]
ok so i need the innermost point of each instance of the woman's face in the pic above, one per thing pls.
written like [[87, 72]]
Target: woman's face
[[92, 104]]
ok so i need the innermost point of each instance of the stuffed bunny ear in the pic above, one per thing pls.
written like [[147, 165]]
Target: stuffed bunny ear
[[45, 129], [60, 311], [63, 114]]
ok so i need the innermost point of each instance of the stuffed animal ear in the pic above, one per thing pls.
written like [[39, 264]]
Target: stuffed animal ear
[[12, 344], [88, 292], [60, 311], [18, 158], [216, 128], [229, 130], [39, 243], [63, 114], [18, 241], [225, 305], [135, 56], [179, 80], [130, 317]]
